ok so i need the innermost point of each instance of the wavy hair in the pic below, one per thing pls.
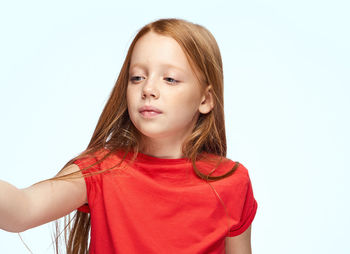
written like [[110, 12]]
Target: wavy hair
[[115, 130]]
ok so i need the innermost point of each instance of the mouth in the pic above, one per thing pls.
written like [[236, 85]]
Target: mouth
[[149, 108], [149, 113]]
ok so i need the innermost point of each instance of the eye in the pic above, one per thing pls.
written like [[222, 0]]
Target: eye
[[135, 78], [171, 80]]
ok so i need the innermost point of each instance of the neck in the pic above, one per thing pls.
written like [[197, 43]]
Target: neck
[[165, 148]]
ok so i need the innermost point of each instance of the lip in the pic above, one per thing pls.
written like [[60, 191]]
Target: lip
[[149, 114], [149, 108]]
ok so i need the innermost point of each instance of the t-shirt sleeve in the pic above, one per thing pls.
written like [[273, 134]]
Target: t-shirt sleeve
[[89, 180], [245, 205]]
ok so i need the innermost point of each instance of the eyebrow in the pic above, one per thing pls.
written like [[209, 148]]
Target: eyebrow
[[165, 65]]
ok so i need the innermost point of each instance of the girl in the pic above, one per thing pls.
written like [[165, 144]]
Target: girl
[[143, 183]]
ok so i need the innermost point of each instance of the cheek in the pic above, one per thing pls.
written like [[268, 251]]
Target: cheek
[[184, 106], [129, 96], [129, 103], [187, 100]]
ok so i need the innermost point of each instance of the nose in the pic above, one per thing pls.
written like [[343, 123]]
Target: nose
[[150, 90]]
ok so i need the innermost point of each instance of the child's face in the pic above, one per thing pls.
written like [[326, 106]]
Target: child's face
[[152, 82]]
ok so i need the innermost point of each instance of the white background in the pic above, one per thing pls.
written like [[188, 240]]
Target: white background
[[286, 70]]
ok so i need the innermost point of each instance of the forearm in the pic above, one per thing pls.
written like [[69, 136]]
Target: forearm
[[12, 204], [42, 202]]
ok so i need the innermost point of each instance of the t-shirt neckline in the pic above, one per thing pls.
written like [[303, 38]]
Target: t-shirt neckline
[[142, 157]]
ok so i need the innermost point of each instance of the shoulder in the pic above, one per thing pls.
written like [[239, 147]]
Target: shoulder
[[101, 160], [93, 155], [241, 171], [90, 159], [226, 165]]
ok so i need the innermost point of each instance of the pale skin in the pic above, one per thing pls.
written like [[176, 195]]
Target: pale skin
[[153, 84], [173, 90]]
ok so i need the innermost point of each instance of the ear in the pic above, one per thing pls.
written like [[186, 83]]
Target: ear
[[207, 102]]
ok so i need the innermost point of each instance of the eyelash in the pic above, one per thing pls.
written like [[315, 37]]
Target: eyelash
[[174, 80]]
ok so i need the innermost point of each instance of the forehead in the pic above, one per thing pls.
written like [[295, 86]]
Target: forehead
[[154, 50]]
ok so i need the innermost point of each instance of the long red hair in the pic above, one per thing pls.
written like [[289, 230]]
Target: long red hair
[[115, 130]]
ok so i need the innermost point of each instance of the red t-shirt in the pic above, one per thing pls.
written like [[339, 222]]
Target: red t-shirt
[[156, 205]]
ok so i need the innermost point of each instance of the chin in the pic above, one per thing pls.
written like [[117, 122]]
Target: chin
[[153, 133]]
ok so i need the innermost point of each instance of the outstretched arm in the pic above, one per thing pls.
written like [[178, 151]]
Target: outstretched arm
[[22, 209], [239, 244]]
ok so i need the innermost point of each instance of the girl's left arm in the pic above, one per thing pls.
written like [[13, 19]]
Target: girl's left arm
[[239, 244]]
